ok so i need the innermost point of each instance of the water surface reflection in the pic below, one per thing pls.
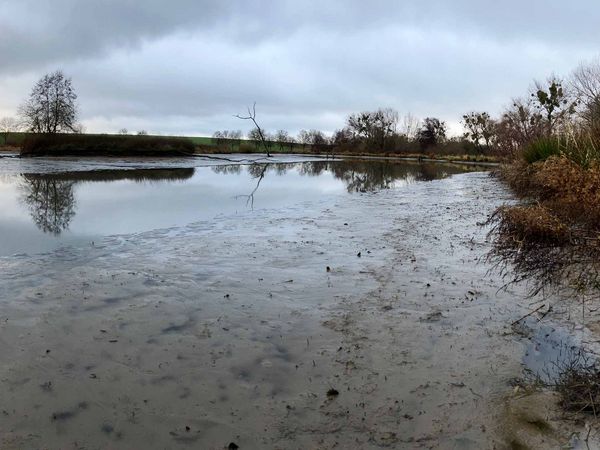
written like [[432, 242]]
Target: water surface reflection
[[80, 206]]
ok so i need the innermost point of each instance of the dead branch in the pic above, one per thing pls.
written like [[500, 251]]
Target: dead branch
[[252, 116]]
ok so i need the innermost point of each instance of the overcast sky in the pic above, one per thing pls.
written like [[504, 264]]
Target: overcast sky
[[187, 66]]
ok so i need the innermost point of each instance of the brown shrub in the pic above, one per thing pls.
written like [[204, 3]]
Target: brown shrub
[[532, 223], [571, 190], [519, 176], [534, 243]]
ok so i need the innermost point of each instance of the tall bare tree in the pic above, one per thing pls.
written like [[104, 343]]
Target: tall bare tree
[[51, 106], [585, 84], [252, 116], [410, 127], [520, 124]]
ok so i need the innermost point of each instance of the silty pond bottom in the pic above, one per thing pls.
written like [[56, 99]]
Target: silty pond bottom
[[301, 304]]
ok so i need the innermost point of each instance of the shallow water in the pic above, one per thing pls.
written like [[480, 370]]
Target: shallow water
[[55, 203], [232, 321]]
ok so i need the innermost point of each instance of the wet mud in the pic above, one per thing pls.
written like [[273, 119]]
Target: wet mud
[[365, 321]]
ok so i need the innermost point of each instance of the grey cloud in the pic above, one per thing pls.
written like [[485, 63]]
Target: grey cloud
[[188, 66], [34, 32]]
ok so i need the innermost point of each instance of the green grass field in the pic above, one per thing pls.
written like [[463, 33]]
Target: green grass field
[[203, 143], [18, 138]]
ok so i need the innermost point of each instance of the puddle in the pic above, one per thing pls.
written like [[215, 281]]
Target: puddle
[[549, 347]]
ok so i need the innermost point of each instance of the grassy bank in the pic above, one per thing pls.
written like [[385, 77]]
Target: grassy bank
[[552, 238], [105, 145]]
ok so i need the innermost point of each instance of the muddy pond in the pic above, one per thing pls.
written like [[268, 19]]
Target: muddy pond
[[287, 303]]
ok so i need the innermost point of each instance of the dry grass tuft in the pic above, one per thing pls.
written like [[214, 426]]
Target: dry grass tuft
[[554, 242], [527, 224], [576, 378], [579, 387]]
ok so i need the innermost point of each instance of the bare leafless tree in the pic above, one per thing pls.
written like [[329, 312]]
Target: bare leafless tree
[[282, 138], [520, 124], [252, 116], [51, 106], [303, 138], [235, 137], [585, 84], [410, 127]]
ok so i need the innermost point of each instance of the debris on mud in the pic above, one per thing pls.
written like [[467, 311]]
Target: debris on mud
[[577, 382], [332, 393]]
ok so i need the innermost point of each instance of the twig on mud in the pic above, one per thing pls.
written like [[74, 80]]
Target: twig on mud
[[527, 315]]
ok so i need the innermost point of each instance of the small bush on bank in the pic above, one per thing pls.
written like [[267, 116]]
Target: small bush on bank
[[541, 150], [532, 223], [554, 242], [104, 145]]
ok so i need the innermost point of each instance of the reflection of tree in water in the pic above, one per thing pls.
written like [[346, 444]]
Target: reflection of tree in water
[[51, 200], [234, 169], [258, 172], [370, 176], [357, 175]]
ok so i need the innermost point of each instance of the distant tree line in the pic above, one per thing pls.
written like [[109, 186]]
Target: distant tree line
[[548, 109], [367, 132]]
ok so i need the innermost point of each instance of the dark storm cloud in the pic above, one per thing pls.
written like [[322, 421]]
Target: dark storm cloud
[[188, 66]]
